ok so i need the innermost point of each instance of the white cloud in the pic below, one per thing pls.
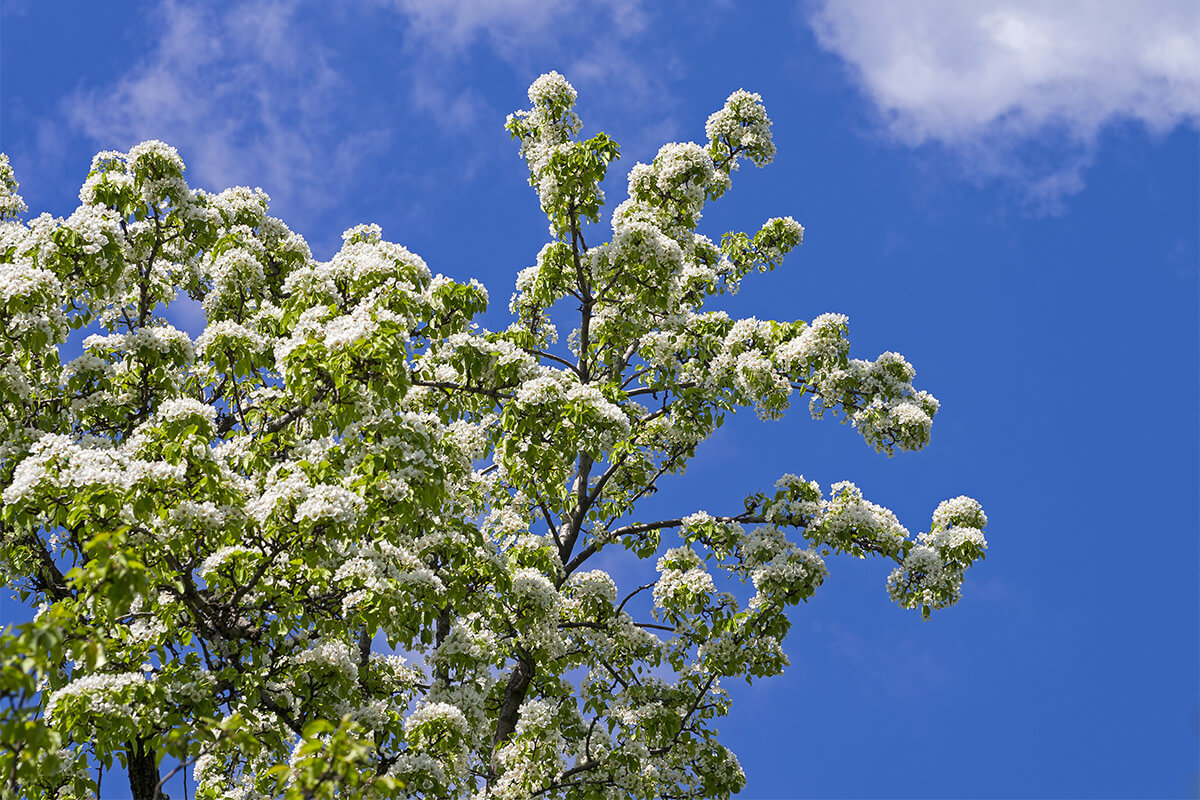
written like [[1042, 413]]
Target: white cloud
[[244, 94], [988, 77]]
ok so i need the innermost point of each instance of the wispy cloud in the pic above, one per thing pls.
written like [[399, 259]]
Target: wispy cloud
[[516, 28], [996, 80], [266, 93], [599, 44], [12, 8], [243, 92], [898, 666]]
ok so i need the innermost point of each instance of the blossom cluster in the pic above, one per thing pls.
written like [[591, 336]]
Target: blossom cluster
[[11, 203], [99, 694], [350, 539], [931, 575]]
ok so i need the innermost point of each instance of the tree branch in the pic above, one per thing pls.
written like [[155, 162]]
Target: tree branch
[[459, 387], [552, 357], [510, 708]]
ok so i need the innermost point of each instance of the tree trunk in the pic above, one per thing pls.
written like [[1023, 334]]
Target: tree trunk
[[510, 709], [143, 772]]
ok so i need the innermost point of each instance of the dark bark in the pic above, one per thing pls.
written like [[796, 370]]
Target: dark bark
[[443, 630], [143, 772], [364, 658], [514, 695]]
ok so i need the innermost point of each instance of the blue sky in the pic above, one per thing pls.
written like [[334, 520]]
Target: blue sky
[[1005, 192]]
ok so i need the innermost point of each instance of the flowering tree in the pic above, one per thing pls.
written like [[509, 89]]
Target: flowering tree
[[340, 543]]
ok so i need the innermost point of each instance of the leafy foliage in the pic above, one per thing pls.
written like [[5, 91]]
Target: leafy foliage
[[337, 545]]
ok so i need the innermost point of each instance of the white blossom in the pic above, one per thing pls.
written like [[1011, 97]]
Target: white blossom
[[101, 692]]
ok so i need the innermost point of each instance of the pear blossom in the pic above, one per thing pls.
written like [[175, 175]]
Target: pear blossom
[[348, 537]]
